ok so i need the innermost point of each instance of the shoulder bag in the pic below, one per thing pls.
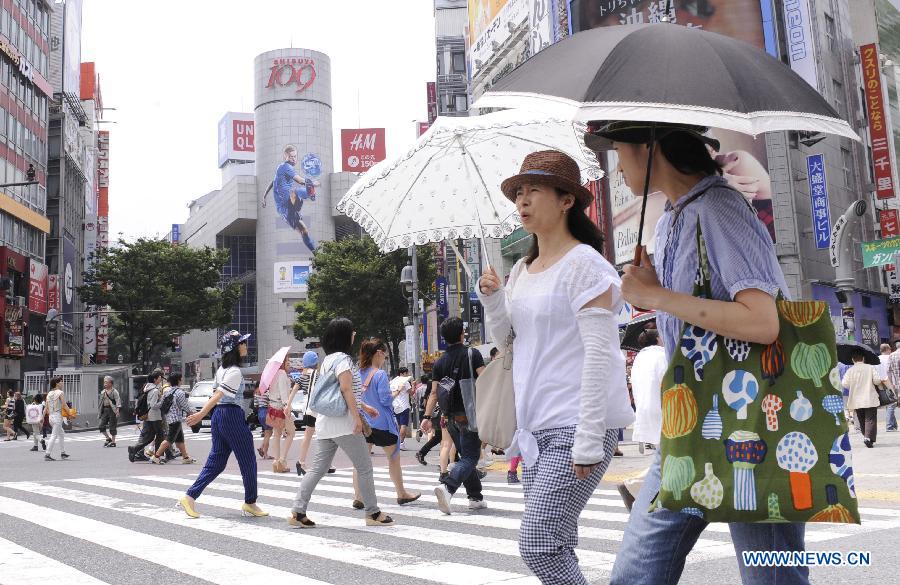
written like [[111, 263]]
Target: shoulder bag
[[752, 432], [886, 395], [495, 400], [366, 427], [327, 399], [468, 395]]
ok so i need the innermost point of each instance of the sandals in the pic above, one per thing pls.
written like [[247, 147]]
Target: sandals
[[301, 521], [262, 454], [379, 519], [402, 501], [358, 505]]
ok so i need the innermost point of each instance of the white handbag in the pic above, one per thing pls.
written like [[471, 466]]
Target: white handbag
[[495, 400]]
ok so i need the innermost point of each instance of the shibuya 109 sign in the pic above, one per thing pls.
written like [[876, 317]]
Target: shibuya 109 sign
[[297, 72]]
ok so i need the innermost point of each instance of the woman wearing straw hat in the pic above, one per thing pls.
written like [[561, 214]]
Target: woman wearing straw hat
[[569, 375], [230, 432], [745, 277]]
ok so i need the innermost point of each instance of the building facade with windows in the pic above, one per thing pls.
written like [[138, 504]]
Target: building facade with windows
[[71, 152], [25, 93]]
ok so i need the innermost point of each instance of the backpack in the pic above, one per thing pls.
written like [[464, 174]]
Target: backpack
[[166, 404], [141, 409]]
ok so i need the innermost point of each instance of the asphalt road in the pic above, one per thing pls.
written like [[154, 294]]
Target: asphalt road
[[97, 518]]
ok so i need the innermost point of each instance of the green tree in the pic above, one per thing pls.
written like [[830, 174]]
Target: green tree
[[353, 279], [182, 282]]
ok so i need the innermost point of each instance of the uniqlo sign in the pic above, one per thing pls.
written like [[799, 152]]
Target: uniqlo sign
[[362, 148], [888, 220], [879, 130], [242, 136]]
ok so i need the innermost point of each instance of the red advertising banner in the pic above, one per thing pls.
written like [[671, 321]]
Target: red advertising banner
[[53, 300], [889, 222], [362, 148], [103, 173], [878, 127], [423, 128], [242, 135], [432, 101], [37, 287]]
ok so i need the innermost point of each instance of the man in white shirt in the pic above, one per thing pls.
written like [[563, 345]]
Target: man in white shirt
[[894, 378], [401, 390]]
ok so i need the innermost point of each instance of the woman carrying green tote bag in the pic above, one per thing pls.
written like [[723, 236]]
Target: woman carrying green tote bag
[[745, 279]]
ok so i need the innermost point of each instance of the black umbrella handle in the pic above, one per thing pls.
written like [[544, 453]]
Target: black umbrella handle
[[638, 253]]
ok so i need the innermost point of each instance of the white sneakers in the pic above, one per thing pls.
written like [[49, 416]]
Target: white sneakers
[[477, 505], [444, 496]]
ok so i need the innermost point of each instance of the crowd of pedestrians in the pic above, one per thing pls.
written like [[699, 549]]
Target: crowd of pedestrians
[[559, 306]]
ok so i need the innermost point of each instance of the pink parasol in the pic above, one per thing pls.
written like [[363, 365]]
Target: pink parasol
[[272, 366]]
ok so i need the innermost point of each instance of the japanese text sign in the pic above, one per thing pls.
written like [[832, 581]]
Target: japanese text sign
[[887, 219], [880, 252], [818, 195], [878, 126]]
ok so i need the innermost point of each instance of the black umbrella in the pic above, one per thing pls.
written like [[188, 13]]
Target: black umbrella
[[629, 333], [846, 349], [665, 73]]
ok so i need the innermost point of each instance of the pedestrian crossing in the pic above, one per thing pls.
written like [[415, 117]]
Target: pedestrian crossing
[[134, 517], [128, 436]]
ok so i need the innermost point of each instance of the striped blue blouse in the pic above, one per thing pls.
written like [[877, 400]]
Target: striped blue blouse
[[741, 252]]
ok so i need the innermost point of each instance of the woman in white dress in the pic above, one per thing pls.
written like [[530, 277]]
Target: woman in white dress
[[568, 372]]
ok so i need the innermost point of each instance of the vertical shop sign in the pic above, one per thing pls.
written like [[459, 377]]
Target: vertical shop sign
[[431, 89], [888, 220], [878, 126], [818, 195]]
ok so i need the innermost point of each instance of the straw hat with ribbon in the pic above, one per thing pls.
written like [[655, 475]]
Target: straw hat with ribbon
[[549, 167]]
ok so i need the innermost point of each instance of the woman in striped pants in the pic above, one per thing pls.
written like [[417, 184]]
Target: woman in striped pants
[[230, 432]]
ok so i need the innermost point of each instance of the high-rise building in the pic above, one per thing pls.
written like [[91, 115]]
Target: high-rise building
[[24, 96], [70, 160], [450, 22], [276, 167]]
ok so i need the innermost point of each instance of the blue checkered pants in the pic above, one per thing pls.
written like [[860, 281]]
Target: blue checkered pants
[[554, 499]]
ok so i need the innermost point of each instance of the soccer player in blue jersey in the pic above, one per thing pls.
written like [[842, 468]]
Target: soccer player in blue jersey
[[289, 197]]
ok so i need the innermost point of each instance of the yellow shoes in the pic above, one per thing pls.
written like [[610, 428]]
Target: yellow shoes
[[187, 505], [252, 510]]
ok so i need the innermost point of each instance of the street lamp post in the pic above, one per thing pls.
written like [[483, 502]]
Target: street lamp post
[[409, 280], [51, 349]]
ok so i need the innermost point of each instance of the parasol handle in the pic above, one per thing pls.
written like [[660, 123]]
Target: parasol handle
[[638, 252]]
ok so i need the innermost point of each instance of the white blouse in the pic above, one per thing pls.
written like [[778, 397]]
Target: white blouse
[[548, 352], [647, 372]]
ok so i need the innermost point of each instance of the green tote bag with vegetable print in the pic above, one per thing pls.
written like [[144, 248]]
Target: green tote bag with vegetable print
[[757, 433]]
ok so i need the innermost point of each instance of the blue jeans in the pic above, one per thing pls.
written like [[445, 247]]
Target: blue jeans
[[891, 417], [468, 445], [656, 545]]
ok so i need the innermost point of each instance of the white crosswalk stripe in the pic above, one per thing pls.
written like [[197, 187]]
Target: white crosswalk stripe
[[26, 567], [465, 548]]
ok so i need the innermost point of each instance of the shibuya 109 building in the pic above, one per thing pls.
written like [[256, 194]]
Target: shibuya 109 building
[[275, 206]]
